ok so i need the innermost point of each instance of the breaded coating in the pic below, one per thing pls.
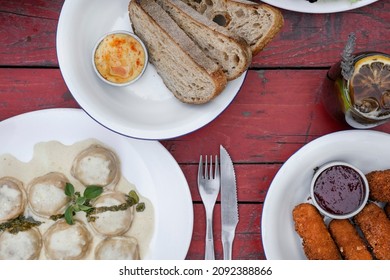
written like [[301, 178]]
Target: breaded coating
[[387, 210], [316, 240], [375, 226], [350, 243], [379, 183]]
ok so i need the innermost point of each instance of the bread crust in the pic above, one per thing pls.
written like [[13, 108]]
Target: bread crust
[[223, 46], [267, 20], [163, 31]]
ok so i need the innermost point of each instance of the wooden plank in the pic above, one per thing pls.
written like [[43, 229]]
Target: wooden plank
[[253, 181], [306, 40], [247, 244], [49, 9], [25, 90], [276, 112], [28, 32]]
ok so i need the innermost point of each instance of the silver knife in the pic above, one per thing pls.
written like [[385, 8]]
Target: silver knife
[[229, 207]]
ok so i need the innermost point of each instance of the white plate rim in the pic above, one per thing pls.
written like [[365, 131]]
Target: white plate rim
[[195, 116], [320, 7], [350, 140], [173, 229]]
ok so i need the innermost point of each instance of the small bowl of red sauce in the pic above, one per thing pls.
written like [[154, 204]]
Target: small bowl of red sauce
[[339, 190], [119, 58]]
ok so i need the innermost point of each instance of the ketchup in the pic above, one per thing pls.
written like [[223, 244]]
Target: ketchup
[[339, 190]]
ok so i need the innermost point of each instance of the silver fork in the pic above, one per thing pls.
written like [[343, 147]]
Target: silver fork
[[208, 185]]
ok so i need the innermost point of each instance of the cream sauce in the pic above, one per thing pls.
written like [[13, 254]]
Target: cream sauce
[[53, 156]]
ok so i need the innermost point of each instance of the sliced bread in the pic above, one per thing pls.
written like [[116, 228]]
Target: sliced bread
[[187, 72], [231, 52], [256, 23]]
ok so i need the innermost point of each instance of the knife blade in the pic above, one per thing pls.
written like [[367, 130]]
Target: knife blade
[[229, 207]]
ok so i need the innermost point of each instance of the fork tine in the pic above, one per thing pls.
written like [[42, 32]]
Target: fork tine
[[211, 167], [206, 172], [216, 171], [200, 171], [205, 169]]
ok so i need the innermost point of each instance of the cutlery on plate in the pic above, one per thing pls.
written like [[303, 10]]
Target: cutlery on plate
[[208, 185], [229, 207]]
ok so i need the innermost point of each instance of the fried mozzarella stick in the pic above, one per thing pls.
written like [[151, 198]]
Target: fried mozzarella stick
[[316, 240], [375, 226], [387, 210], [351, 245], [379, 182]]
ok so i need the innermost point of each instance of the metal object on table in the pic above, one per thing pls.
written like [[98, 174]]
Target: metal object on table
[[209, 185], [229, 206]]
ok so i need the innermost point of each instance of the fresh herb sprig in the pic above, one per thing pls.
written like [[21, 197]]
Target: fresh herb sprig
[[347, 57], [80, 202], [20, 223], [131, 199]]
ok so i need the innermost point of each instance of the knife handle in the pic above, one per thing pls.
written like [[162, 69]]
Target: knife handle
[[209, 254], [227, 243]]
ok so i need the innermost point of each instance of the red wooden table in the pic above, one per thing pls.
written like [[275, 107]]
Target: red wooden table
[[276, 112]]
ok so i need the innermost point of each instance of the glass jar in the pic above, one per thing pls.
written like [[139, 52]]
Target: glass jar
[[363, 101]]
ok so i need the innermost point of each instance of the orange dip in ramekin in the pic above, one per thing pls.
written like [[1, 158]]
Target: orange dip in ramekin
[[120, 58]]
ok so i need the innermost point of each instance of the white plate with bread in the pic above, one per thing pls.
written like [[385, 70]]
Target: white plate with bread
[[181, 90], [319, 6]]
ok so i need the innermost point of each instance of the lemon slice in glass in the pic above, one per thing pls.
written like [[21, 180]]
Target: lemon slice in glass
[[370, 86]]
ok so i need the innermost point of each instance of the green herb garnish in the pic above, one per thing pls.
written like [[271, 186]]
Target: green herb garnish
[[82, 203], [131, 199], [20, 223], [79, 203]]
